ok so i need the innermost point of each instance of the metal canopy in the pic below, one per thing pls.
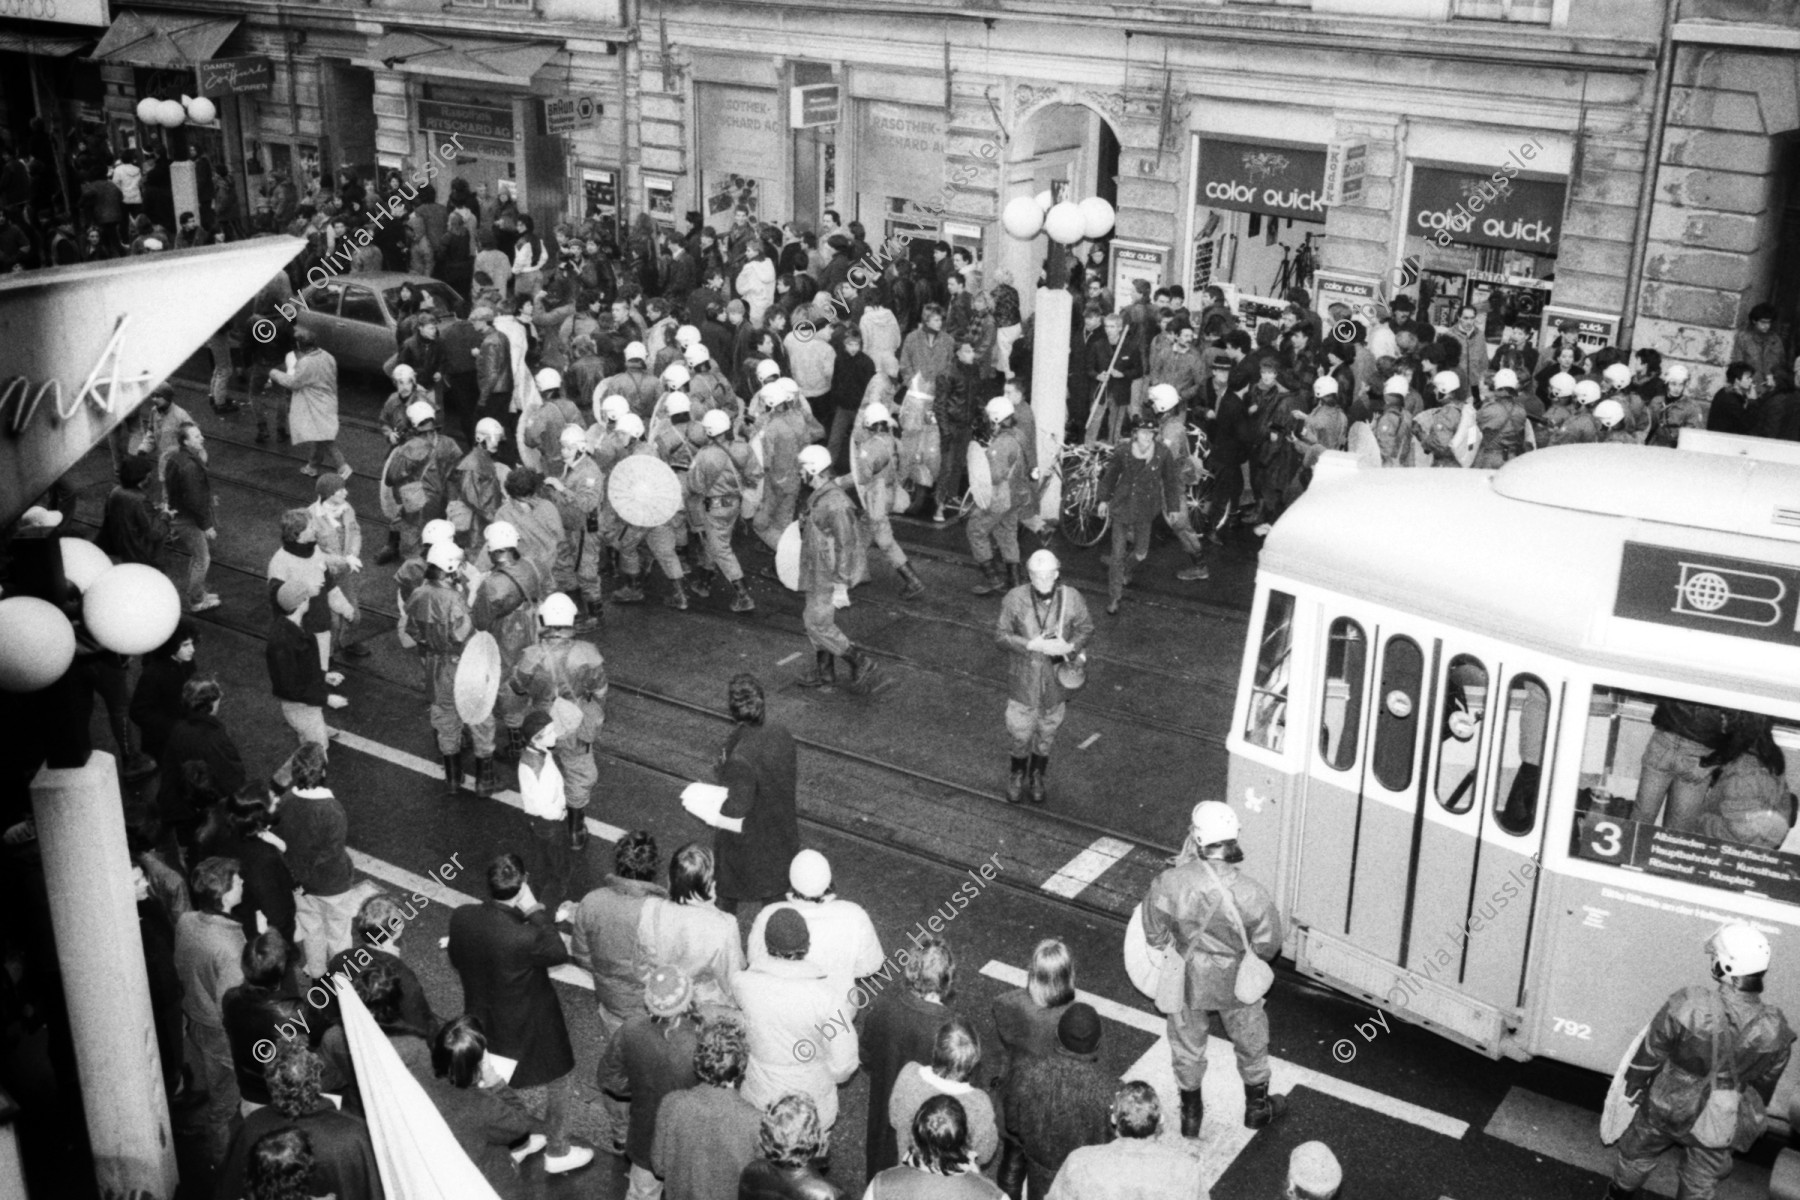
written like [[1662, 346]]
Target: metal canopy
[[159, 39], [34, 43], [482, 60]]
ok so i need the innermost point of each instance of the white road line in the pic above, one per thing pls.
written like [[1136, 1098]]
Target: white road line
[[1112, 1010], [1089, 740], [1087, 866], [431, 770], [790, 658]]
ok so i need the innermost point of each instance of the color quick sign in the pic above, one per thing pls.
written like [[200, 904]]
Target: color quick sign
[[1476, 209], [1282, 181], [1736, 597]]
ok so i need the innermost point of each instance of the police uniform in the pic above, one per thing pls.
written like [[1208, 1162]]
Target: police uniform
[[878, 466], [542, 427], [419, 477], [1036, 702], [439, 618], [637, 385], [715, 485], [561, 667], [998, 523], [662, 540], [827, 556], [790, 429], [579, 503], [1502, 421], [475, 484], [505, 605]]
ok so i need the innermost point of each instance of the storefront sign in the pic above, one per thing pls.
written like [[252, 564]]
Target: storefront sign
[[1345, 165], [567, 114], [659, 199], [1362, 293], [814, 105], [1591, 330], [741, 131], [599, 194], [1282, 181], [1132, 261], [1734, 597], [62, 12], [470, 120], [1470, 208], [900, 150], [233, 76]]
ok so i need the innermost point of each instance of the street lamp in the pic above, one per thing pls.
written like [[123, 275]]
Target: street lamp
[[1066, 223]]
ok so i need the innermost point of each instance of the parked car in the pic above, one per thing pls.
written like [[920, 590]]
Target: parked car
[[354, 316]]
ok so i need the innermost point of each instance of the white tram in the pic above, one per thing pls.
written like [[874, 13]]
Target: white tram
[[1443, 709]]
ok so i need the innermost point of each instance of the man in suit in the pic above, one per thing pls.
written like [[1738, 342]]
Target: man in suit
[[503, 950]]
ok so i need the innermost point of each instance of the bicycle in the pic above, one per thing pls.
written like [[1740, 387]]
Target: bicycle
[[1080, 468]]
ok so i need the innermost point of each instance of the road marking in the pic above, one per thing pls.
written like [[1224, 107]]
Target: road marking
[[431, 770], [449, 897], [1088, 741], [1089, 865], [790, 658]]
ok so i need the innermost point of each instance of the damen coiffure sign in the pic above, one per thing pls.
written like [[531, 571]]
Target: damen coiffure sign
[[1261, 177]]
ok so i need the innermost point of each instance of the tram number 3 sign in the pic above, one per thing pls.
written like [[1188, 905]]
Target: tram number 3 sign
[[1688, 856]]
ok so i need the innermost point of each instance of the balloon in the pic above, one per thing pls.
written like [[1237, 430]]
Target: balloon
[[201, 110], [171, 114], [1097, 218], [1044, 200], [83, 562], [37, 644], [1064, 223], [132, 609], [149, 110], [1023, 218]]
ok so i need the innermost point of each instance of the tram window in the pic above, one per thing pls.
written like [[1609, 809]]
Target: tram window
[[1397, 724], [1346, 656], [1522, 754], [1266, 723], [1459, 732]]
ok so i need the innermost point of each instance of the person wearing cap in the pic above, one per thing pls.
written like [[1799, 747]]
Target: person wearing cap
[[580, 497], [312, 382], [1616, 384], [476, 491], [438, 617], [1062, 1101], [877, 455], [395, 425], [1504, 424], [1313, 1173], [1196, 907], [158, 435], [131, 530], [707, 388], [830, 553], [1141, 479], [562, 668], [1012, 497], [789, 428], [649, 1058], [844, 943], [715, 484], [788, 1007], [1615, 422], [418, 476], [538, 522], [1042, 623], [1394, 430], [675, 350], [1562, 406], [338, 535], [636, 383], [764, 382], [1447, 430], [1137, 1164], [187, 495], [295, 675], [707, 1134], [1679, 409], [1705, 1043], [688, 932]]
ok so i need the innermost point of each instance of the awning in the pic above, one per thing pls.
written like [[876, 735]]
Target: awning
[[158, 39], [32, 43], [481, 60]]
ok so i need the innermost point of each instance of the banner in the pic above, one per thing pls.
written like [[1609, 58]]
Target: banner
[[742, 131], [1281, 181], [1472, 208], [900, 150]]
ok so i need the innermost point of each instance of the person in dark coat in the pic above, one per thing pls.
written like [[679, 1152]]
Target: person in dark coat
[[760, 768], [651, 1057], [255, 1011], [1063, 1102], [235, 830], [343, 1157], [156, 927], [494, 1133], [707, 1134], [902, 1027], [130, 530], [199, 736], [1026, 1019], [156, 704], [791, 1141], [1733, 406], [503, 951]]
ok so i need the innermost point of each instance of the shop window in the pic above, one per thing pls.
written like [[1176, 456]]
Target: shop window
[[1459, 732], [1397, 725], [1340, 723], [1266, 723], [360, 304], [1522, 754]]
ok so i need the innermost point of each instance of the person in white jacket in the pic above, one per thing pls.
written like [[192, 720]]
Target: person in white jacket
[[844, 943], [797, 1041], [756, 281], [542, 798]]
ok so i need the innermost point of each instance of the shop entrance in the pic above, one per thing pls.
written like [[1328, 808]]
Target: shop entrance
[[488, 167], [1070, 151]]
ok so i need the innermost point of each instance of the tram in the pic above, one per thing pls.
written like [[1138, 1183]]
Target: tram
[[1443, 739]]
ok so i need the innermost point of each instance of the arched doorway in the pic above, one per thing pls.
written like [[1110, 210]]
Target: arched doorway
[[1066, 149]]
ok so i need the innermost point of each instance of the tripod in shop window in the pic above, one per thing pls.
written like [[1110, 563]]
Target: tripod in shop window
[[1296, 269]]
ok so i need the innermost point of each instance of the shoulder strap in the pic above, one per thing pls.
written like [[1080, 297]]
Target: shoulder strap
[[1230, 903]]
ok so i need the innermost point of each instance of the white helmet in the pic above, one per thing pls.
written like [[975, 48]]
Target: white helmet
[[614, 407], [780, 392], [716, 422], [1562, 384], [631, 425], [1739, 950], [1617, 376], [877, 414], [767, 369], [809, 874], [814, 460], [402, 371], [501, 535], [445, 556], [1675, 374], [1324, 386], [548, 380], [573, 436], [488, 429], [676, 403], [636, 353], [1213, 822], [1399, 385], [686, 336], [697, 354], [675, 375], [999, 409], [557, 611], [437, 531], [1609, 413], [420, 411], [1163, 397], [1587, 392], [1043, 560], [1445, 382], [1507, 379]]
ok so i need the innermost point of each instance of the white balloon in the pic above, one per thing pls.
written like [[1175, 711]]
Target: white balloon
[[171, 114], [132, 609], [1023, 218], [83, 562], [1064, 223], [202, 110], [37, 644], [149, 110], [1097, 218], [1044, 200]]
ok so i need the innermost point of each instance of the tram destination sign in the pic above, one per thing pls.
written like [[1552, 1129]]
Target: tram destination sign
[[1736, 597], [1691, 857]]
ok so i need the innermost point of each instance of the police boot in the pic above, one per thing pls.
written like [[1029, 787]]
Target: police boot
[[508, 747], [587, 615], [991, 579], [740, 600], [1015, 780], [630, 592], [391, 552], [1261, 1109], [699, 582], [485, 782], [915, 587], [1193, 1112], [862, 667], [677, 597], [453, 774], [1015, 575], [824, 672], [1034, 779], [576, 819]]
